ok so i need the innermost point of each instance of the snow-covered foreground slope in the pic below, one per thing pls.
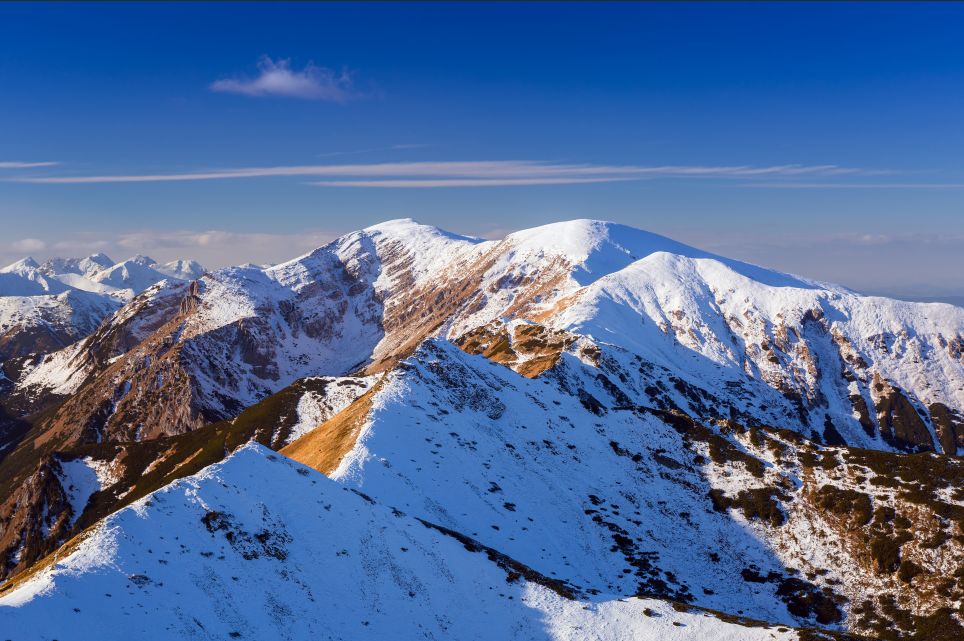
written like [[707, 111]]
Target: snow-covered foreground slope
[[74, 487], [259, 547], [570, 475]]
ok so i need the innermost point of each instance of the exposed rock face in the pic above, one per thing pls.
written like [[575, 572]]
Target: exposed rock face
[[900, 424], [31, 326], [370, 298], [46, 307], [35, 519], [950, 428]]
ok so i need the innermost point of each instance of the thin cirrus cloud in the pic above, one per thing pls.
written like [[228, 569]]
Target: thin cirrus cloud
[[851, 185], [464, 182], [487, 173], [278, 78], [13, 164]]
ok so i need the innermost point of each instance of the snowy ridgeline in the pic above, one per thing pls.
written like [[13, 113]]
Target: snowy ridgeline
[[260, 547], [779, 348]]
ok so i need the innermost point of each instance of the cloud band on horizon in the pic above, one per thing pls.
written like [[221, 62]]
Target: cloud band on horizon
[[488, 173]]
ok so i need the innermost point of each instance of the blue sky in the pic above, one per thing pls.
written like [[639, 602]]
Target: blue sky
[[823, 139]]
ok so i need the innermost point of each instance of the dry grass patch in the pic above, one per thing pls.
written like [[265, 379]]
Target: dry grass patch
[[324, 447]]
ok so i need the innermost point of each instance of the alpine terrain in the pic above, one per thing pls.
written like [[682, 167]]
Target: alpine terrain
[[580, 431]]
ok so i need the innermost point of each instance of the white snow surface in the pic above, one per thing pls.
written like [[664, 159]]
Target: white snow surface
[[308, 559], [81, 478], [597, 248], [313, 408], [517, 462], [525, 466], [704, 319]]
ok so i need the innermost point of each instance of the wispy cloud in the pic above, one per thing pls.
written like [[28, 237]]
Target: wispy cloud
[[466, 182], [485, 173], [213, 242], [12, 164], [277, 78], [28, 245], [372, 150], [851, 185]]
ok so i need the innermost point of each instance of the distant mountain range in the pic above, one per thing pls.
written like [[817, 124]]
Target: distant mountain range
[[47, 306], [580, 431]]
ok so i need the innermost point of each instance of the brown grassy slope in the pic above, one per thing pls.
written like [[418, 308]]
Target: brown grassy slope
[[324, 447], [530, 350]]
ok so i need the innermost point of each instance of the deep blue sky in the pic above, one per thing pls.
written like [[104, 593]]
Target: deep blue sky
[[117, 89]]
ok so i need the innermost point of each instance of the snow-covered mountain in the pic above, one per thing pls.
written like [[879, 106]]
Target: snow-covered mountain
[[48, 306], [96, 273], [602, 405], [756, 344]]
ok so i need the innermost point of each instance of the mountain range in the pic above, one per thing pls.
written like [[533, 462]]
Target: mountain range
[[582, 430], [47, 306]]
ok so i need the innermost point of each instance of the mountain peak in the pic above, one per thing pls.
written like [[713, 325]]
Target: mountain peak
[[394, 224], [25, 263], [100, 258], [597, 247], [141, 259], [579, 238], [182, 268], [409, 227]]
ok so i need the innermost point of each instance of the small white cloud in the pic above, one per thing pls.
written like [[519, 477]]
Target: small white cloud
[[29, 245], [871, 239], [277, 78]]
